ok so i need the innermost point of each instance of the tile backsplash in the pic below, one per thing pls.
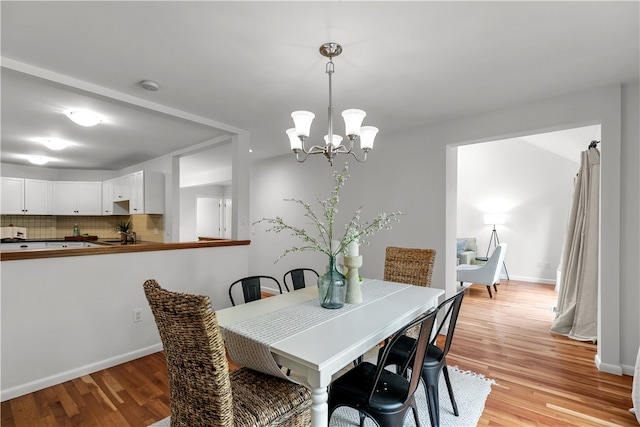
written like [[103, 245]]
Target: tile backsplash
[[149, 228]]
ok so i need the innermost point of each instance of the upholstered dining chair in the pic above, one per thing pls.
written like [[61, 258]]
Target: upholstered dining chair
[[379, 393], [297, 277], [202, 391], [487, 274], [435, 359], [252, 287], [408, 265]]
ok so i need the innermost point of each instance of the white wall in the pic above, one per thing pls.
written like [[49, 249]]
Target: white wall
[[407, 171], [534, 188]]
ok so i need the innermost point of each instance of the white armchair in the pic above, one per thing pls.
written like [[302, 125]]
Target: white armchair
[[487, 274]]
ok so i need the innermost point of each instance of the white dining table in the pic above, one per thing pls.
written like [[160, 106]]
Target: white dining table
[[316, 342]]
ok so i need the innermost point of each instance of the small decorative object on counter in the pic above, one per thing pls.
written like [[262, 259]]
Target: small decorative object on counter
[[76, 230]]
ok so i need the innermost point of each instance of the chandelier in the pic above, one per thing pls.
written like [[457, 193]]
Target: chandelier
[[332, 143]]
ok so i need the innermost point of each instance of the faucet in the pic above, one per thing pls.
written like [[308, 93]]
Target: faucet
[[131, 237]]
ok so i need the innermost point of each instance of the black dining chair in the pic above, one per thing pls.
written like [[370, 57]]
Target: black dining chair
[[252, 287], [379, 393], [297, 278], [402, 351]]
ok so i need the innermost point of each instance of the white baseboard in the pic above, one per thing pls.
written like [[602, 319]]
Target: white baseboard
[[32, 386], [530, 279], [608, 368]]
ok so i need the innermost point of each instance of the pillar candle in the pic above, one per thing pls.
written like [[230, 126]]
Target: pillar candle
[[353, 248]]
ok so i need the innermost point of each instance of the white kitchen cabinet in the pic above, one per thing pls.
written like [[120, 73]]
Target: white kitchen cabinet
[[122, 188], [26, 196], [107, 197], [77, 198], [147, 193]]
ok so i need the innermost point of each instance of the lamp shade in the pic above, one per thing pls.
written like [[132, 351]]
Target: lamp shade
[[302, 120], [337, 140], [353, 120], [296, 143], [367, 135], [494, 218]]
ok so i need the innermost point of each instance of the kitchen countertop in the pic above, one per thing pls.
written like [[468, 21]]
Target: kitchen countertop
[[111, 246]]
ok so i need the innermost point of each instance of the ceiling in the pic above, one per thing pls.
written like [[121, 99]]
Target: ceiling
[[225, 67]]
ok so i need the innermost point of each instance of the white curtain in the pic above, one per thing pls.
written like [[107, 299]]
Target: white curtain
[[576, 315]]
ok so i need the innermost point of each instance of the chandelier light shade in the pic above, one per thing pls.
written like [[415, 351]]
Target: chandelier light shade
[[494, 218], [353, 119]]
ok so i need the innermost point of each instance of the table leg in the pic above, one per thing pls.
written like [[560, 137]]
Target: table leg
[[319, 407]]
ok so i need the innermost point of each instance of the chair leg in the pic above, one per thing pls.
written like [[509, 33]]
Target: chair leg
[[495, 286], [489, 289], [450, 389], [430, 378]]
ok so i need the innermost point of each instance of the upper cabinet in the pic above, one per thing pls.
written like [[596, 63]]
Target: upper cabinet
[[26, 196], [137, 193], [107, 197], [147, 193], [121, 188], [77, 198]]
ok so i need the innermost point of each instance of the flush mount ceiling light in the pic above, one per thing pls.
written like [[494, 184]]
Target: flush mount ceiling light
[[83, 118], [38, 160], [333, 143], [55, 144]]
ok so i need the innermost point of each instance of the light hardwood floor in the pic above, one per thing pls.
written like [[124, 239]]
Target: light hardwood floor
[[541, 379]]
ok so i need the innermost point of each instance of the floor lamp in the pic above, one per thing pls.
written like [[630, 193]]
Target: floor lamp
[[493, 219]]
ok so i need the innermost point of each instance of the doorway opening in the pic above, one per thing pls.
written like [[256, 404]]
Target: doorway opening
[[528, 182]]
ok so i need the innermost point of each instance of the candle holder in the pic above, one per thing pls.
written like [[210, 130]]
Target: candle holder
[[354, 293]]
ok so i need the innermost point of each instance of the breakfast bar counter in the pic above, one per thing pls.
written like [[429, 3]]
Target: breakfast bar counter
[[103, 247]]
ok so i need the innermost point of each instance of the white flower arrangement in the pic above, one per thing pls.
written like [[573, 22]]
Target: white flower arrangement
[[354, 230]]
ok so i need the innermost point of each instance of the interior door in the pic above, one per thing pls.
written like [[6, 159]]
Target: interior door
[[208, 218]]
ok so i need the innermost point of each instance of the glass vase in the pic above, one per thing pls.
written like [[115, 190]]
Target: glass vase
[[332, 287]]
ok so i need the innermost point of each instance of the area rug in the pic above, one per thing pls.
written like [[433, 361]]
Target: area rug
[[470, 389]]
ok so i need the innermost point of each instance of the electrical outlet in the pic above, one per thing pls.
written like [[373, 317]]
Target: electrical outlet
[[137, 315]]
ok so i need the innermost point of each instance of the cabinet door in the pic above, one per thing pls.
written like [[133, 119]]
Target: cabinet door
[[12, 196], [136, 196], [107, 197], [64, 198], [77, 198], [89, 198], [122, 188], [37, 200]]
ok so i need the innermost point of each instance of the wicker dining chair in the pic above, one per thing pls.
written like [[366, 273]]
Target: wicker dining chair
[[202, 390], [407, 265]]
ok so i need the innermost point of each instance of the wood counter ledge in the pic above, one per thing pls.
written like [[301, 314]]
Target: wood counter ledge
[[115, 249]]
